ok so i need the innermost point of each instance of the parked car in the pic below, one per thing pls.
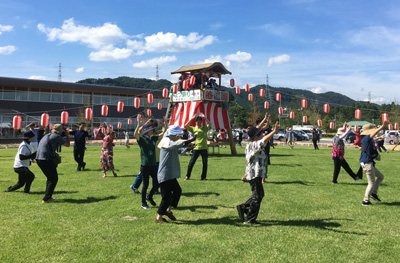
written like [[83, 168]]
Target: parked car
[[280, 135], [391, 137], [305, 135], [299, 136]]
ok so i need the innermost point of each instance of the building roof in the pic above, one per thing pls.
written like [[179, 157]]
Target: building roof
[[215, 67], [359, 123], [32, 83]]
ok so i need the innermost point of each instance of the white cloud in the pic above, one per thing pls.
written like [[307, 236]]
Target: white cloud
[[37, 77], [278, 60], [105, 36], [317, 90], [210, 60], [154, 62], [79, 70], [217, 26], [378, 100], [107, 55], [171, 42], [239, 56], [5, 29], [376, 37], [7, 50], [278, 29]]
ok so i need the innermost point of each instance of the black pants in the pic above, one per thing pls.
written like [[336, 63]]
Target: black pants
[[79, 154], [50, 171], [342, 163], [195, 155], [315, 142], [380, 145], [25, 177], [252, 206], [147, 172], [170, 193]]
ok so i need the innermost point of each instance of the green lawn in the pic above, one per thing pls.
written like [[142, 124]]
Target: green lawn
[[305, 217]]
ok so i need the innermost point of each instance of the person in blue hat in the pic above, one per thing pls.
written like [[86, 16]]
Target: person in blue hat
[[22, 162]]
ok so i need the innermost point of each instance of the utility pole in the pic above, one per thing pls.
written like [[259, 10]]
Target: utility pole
[[157, 75], [59, 72]]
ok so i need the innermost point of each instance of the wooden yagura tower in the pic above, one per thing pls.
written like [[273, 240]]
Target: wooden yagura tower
[[194, 97]]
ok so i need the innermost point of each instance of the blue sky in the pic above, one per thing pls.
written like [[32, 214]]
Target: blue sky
[[350, 47]]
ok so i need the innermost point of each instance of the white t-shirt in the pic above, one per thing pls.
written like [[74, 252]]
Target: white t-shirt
[[24, 149], [256, 160]]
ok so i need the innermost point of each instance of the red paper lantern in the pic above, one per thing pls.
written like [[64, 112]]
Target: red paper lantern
[[326, 108], [358, 114], [104, 110], [278, 97], [390, 126], [185, 85], [119, 125], [266, 105], [175, 88], [136, 103], [129, 122], [385, 117], [165, 93], [250, 97], [305, 119], [291, 115], [159, 106], [396, 126], [232, 83], [356, 128], [237, 90], [304, 103], [331, 125], [247, 88], [64, 117], [44, 120], [17, 122], [192, 80], [120, 106], [103, 130], [319, 122], [88, 113], [150, 98], [148, 112], [111, 127], [262, 92], [280, 110]]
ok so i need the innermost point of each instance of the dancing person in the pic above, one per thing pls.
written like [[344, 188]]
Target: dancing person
[[256, 173], [338, 155], [240, 138], [107, 153], [46, 154], [380, 140], [169, 171], [126, 134], [22, 162], [148, 167], [369, 154], [264, 124], [290, 137], [315, 138], [201, 147], [80, 136], [34, 127]]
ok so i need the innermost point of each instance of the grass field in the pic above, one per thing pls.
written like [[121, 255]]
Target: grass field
[[305, 218]]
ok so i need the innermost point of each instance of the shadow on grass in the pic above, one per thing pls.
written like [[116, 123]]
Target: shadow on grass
[[392, 204], [225, 179], [322, 224], [286, 164], [292, 182], [200, 194], [281, 155], [225, 155], [88, 200], [212, 221], [195, 207], [55, 192], [365, 183]]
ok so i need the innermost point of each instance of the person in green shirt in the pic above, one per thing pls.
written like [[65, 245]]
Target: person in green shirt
[[201, 147]]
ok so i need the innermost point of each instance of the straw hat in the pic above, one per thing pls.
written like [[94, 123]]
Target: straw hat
[[367, 129], [57, 128], [340, 131]]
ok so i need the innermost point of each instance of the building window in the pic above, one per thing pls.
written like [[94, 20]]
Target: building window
[[45, 96], [77, 98], [56, 97], [97, 99], [86, 98], [67, 96], [105, 99], [9, 94], [34, 96], [21, 95]]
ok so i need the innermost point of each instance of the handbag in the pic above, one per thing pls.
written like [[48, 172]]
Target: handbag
[[54, 157]]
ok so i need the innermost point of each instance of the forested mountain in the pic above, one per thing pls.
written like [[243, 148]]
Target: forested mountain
[[129, 82]]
